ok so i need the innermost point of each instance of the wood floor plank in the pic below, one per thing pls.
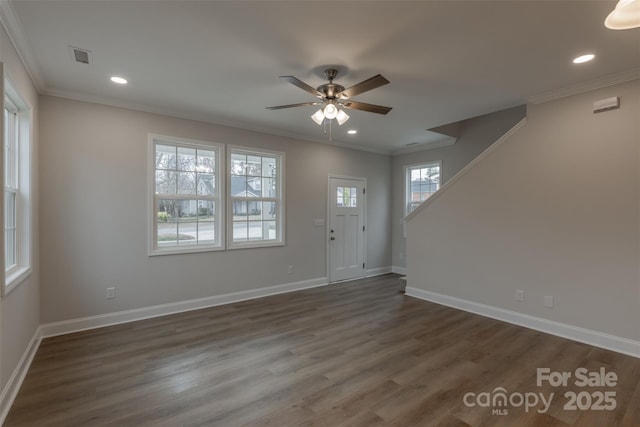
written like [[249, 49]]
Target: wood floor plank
[[352, 354]]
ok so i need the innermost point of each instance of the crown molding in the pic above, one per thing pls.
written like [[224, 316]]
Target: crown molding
[[609, 80], [12, 25]]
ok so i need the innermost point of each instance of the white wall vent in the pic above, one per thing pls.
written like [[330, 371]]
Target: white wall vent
[[606, 104]]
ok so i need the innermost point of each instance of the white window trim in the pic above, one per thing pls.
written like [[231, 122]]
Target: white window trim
[[23, 268], [153, 248], [280, 241], [407, 181]]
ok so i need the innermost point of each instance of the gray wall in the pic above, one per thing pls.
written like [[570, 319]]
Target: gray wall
[[94, 213], [476, 135], [554, 210], [19, 310]]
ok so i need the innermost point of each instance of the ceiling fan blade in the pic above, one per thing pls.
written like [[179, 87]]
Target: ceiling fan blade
[[302, 104], [302, 85], [364, 86], [371, 108]]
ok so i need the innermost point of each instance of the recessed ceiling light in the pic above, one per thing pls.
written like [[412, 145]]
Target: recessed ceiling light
[[583, 58], [119, 80], [352, 131]]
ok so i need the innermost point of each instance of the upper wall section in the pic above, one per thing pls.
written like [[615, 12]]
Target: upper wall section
[[94, 205], [474, 136], [553, 211]]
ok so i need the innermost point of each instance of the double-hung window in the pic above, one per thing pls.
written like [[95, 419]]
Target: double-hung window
[[187, 181], [17, 171], [256, 202], [189, 208], [421, 182]]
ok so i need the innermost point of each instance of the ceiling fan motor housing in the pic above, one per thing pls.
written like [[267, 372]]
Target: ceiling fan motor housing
[[329, 90]]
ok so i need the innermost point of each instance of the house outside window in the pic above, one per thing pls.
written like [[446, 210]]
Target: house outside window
[[256, 198], [17, 188], [421, 182], [187, 184]]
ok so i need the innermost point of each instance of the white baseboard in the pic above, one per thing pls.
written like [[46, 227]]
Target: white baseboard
[[377, 271], [102, 320], [12, 387], [399, 270], [575, 333]]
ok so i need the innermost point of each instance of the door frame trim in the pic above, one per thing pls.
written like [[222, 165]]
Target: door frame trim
[[328, 222]]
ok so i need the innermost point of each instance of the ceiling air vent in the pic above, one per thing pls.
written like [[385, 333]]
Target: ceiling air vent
[[80, 55]]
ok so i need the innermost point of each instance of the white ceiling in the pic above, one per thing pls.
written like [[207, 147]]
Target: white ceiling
[[219, 61]]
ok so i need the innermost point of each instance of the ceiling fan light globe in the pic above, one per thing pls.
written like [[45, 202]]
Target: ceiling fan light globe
[[342, 117], [330, 111], [318, 117]]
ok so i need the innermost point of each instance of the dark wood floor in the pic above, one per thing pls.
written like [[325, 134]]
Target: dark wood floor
[[351, 354]]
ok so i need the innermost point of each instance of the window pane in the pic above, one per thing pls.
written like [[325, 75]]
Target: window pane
[[10, 258], [206, 222], [269, 230], [186, 159], [9, 209], [268, 167], [254, 187], [186, 183], [166, 182], [254, 166], [206, 161], [165, 157], [423, 182], [268, 187], [255, 209], [167, 226], [240, 210], [269, 210], [238, 164], [255, 230], [240, 231], [238, 186], [10, 229], [206, 184]]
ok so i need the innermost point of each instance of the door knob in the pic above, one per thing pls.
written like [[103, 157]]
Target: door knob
[[332, 238]]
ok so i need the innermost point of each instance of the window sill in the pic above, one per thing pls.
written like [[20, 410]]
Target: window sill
[[16, 277], [252, 245], [184, 250]]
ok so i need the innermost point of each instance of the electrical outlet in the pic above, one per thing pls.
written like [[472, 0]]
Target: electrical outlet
[[290, 270], [519, 295], [111, 293], [548, 301]]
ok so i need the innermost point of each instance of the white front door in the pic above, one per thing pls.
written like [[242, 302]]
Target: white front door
[[346, 229]]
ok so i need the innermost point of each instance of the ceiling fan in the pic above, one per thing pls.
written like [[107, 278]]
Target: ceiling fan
[[333, 96]]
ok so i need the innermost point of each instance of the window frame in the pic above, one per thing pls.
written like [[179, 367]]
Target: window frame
[[219, 199], [279, 199], [20, 133], [407, 183]]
